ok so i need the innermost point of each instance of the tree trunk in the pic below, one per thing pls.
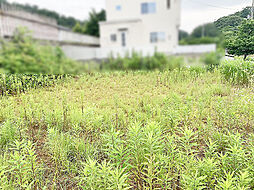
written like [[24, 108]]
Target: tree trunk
[[245, 57]]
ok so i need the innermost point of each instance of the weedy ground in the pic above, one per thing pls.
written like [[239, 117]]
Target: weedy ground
[[186, 129]]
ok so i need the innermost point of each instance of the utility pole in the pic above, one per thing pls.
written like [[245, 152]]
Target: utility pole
[[252, 10], [203, 30]]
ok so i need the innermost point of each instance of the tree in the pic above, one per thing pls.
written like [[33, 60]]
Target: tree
[[78, 28], [232, 21], [207, 30], [229, 23], [92, 25], [183, 34], [241, 42]]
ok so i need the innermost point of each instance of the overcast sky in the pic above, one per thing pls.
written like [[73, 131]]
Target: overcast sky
[[194, 12]]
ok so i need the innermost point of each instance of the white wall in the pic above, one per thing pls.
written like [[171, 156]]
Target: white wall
[[69, 36], [79, 53]]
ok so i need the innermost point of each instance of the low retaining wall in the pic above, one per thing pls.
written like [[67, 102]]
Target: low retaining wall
[[88, 53]]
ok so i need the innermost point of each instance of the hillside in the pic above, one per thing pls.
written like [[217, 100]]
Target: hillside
[[232, 21]]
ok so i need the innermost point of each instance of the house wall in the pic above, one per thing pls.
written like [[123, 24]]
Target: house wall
[[134, 34], [164, 20]]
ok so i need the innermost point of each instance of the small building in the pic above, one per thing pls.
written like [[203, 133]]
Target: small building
[[143, 25]]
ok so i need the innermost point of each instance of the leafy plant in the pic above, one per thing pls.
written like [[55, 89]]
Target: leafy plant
[[23, 55]]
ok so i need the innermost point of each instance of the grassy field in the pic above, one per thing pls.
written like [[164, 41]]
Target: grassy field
[[187, 129]]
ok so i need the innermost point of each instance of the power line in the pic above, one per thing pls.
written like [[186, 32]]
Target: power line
[[210, 5]]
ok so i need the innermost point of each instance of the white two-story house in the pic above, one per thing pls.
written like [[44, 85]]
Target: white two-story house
[[141, 25]]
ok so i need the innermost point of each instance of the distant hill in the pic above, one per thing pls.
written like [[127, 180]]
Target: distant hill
[[62, 20], [232, 21]]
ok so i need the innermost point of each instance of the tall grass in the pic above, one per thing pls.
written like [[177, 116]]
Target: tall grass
[[238, 71], [136, 61], [180, 129], [20, 83]]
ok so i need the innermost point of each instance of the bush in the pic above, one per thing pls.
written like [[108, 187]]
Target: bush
[[23, 55], [238, 71], [212, 60], [136, 61]]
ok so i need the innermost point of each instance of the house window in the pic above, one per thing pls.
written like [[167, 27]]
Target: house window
[[148, 8], [118, 7], [157, 37], [168, 4], [113, 37]]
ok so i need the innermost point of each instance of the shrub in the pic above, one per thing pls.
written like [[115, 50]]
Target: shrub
[[136, 61], [23, 55], [212, 60], [238, 71]]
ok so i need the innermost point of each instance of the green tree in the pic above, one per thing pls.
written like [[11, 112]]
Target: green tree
[[78, 28], [232, 21], [92, 24], [183, 34], [241, 42], [207, 30], [228, 23]]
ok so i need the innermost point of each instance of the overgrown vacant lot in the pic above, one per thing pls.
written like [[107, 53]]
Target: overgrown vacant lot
[[184, 129]]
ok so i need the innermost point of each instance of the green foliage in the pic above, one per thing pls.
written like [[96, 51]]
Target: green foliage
[[212, 60], [136, 61], [207, 34], [238, 71], [241, 42], [219, 41], [207, 30], [183, 34], [24, 56], [9, 132], [103, 176], [15, 84], [20, 169], [232, 22], [229, 23], [180, 129], [78, 28], [91, 26]]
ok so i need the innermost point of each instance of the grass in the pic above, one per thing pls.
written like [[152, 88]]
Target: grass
[[184, 129], [238, 71]]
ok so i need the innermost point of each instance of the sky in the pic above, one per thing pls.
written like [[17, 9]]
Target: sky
[[194, 12]]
